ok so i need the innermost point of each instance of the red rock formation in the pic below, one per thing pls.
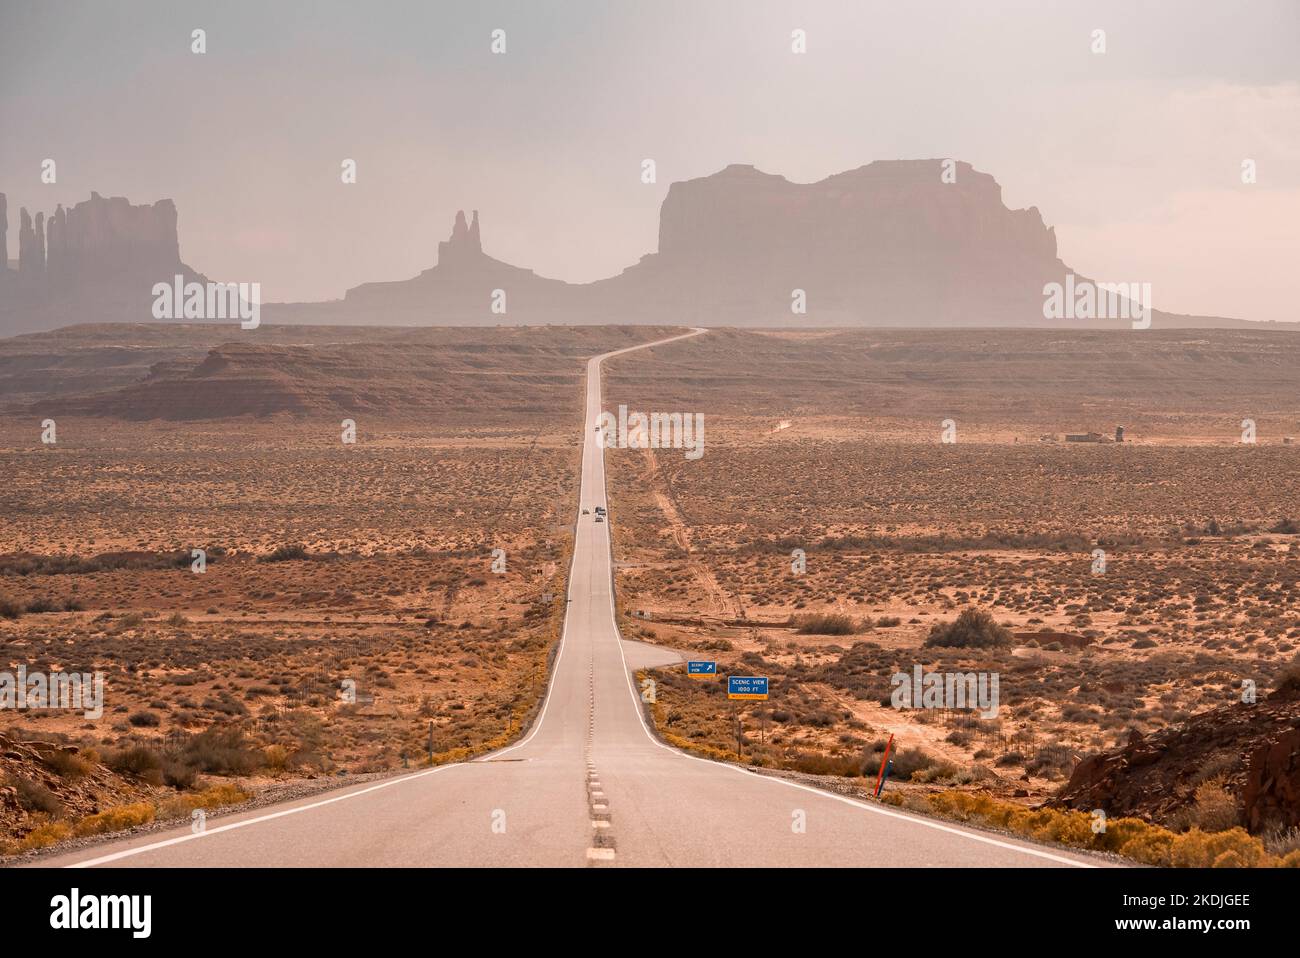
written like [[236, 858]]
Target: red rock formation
[[31, 259], [457, 291], [99, 788], [1155, 776], [101, 241], [1067, 640], [40, 247], [473, 234], [106, 238], [56, 242], [464, 247], [889, 243], [418, 376], [99, 259], [1272, 790]]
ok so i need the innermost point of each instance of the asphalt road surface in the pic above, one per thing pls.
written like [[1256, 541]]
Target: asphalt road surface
[[587, 786]]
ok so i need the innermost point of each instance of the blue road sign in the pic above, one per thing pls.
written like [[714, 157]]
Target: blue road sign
[[702, 670], [747, 687]]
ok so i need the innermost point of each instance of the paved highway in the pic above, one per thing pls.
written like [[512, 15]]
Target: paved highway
[[587, 786]]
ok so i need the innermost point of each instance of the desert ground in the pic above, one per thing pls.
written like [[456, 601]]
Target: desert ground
[[832, 443], [350, 619], [352, 616]]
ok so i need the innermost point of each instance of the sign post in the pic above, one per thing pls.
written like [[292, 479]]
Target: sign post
[[746, 688], [735, 721], [884, 766]]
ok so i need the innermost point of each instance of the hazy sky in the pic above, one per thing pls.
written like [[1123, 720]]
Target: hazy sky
[[1134, 155]]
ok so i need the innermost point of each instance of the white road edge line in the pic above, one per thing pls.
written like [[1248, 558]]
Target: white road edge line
[[938, 826], [973, 836], [153, 846], [541, 718], [126, 853]]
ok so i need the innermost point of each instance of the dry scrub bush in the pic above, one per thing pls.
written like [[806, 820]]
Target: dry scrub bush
[[123, 817], [1213, 809], [1233, 848], [1128, 837], [115, 819], [68, 765], [35, 797], [42, 836], [214, 797], [973, 628], [276, 758]]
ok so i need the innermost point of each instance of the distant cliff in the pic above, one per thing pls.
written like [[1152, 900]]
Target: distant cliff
[[893, 243], [458, 290], [920, 243], [95, 261], [890, 243]]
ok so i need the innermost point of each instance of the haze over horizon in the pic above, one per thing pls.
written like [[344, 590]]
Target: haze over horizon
[[729, 434], [547, 140]]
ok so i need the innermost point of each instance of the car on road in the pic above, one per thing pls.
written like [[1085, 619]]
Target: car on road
[[600, 518]]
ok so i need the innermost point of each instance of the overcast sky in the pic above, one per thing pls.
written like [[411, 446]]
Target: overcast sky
[[1134, 156]]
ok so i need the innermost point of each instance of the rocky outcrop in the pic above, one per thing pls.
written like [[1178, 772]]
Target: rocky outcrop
[[460, 290], [464, 247], [1272, 790], [104, 239], [1251, 750], [887, 244], [493, 375], [890, 243], [36, 763], [899, 211], [99, 241], [40, 247], [1046, 637], [97, 260], [31, 251], [56, 270], [31, 259]]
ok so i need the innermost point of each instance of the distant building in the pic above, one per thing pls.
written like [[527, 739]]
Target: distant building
[[1084, 437], [1119, 433]]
